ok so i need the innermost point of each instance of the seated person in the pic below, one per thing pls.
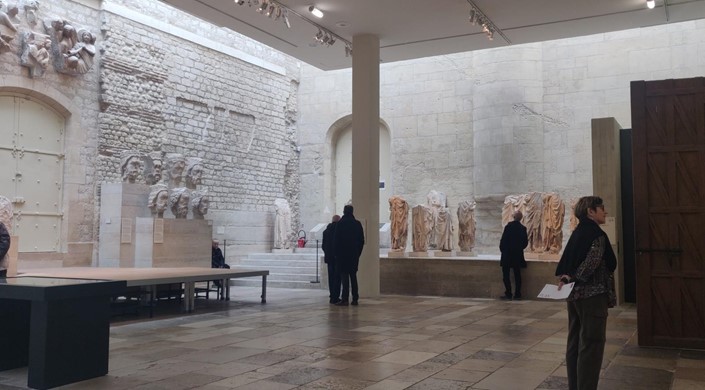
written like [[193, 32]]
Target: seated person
[[217, 260]]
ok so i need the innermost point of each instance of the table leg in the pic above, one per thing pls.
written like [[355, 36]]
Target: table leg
[[226, 286], [264, 289]]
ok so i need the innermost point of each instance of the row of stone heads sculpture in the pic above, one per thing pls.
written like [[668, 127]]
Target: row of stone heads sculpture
[[543, 214], [40, 41], [174, 186], [432, 224]]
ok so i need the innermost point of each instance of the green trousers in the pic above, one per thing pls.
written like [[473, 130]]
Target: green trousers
[[587, 325]]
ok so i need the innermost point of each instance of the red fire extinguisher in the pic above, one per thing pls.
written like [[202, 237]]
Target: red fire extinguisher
[[301, 242]]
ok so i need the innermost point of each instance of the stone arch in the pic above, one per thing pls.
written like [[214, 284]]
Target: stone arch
[[62, 107], [337, 136]]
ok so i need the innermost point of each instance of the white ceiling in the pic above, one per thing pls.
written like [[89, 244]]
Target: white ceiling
[[420, 28]]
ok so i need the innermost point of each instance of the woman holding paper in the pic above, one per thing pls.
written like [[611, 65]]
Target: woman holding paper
[[588, 260]]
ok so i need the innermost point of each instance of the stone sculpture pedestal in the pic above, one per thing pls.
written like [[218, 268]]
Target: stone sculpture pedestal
[[12, 256], [418, 254], [549, 256], [531, 255], [278, 250], [465, 254], [396, 254], [443, 253]]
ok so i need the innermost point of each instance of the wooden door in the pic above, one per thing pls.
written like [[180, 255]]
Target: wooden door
[[668, 119]]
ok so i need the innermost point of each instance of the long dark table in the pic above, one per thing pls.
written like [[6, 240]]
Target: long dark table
[[59, 328]]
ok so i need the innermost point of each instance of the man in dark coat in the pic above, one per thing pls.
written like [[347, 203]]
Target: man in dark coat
[[514, 240], [217, 260], [4, 247], [349, 241], [329, 258]]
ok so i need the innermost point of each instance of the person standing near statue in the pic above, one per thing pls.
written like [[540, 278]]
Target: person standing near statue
[[4, 248], [514, 240], [348, 243], [329, 258], [589, 261]]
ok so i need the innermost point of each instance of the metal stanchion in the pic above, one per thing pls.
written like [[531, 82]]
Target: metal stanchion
[[317, 261]]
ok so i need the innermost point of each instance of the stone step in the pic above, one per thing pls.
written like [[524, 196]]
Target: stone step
[[282, 256], [251, 263], [303, 284]]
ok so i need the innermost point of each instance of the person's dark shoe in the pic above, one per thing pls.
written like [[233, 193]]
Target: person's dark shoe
[[334, 301], [506, 297], [354, 303], [517, 297], [341, 303]]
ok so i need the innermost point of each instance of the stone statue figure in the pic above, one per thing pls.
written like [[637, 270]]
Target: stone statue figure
[[533, 221], [6, 212], [79, 58], [552, 224], [199, 204], [422, 223], [194, 172], [130, 166], [466, 225], [179, 199], [513, 203], [158, 199], [444, 230], [175, 165], [282, 224], [436, 201], [573, 220], [399, 217], [153, 165], [9, 29], [31, 7], [35, 54]]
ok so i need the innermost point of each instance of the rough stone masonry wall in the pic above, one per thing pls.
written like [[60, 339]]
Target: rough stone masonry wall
[[74, 98], [163, 93]]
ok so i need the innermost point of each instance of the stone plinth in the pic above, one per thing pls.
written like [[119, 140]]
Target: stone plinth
[[475, 278], [418, 254], [12, 256], [465, 254], [396, 254], [550, 256], [443, 253]]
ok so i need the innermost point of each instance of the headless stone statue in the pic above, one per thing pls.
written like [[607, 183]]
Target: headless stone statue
[[399, 218]]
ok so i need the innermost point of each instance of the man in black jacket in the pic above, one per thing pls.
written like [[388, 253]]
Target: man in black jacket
[[329, 258], [514, 240], [4, 247], [349, 241]]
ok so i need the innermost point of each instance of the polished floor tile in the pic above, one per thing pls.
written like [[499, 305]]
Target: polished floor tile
[[298, 341]]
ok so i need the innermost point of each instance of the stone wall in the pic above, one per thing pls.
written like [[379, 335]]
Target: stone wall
[[495, 122], [165, 81]]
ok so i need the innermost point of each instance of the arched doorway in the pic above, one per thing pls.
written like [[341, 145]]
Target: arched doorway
[[31, 170], [342, 167]]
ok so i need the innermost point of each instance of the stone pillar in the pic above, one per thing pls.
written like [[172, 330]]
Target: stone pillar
[[365, 150], [606, 183], [508, 132]]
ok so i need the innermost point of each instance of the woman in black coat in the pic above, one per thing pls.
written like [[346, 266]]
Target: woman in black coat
[[514, 240]]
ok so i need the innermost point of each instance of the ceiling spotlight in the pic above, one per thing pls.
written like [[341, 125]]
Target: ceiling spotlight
[[348, 51], [473, 16], [315, 11], [239, 2], [651, 4], [263, 6]]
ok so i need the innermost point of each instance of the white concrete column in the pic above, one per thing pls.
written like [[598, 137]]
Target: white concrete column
[[365, 150]]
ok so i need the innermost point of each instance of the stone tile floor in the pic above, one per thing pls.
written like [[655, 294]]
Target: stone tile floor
[[297, 340]]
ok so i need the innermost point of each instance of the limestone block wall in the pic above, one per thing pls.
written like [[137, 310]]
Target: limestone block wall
[[165, 81], [509, 120]]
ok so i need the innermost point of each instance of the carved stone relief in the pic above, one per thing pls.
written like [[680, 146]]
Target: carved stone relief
[[73, 48], [466, 225], [422, 222], [153, 166], [436, 201], [130, 166], [8, 26], [282, 224], [552, 226], [175, 165], [6, 211], [179, 199], [399, 217], [194, 172], [158, 200], [199, 204]]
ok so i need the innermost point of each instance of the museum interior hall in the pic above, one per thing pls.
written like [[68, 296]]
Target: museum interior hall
[[170, 169]]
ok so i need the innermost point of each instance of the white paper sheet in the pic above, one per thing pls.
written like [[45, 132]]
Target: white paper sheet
[[550, 291]]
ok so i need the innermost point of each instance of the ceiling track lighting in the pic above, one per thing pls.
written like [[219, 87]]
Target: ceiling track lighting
[[650, 4], [275, 10], [488, 27]]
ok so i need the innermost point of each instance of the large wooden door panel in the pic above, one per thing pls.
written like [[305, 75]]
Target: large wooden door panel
[[668, 119]]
